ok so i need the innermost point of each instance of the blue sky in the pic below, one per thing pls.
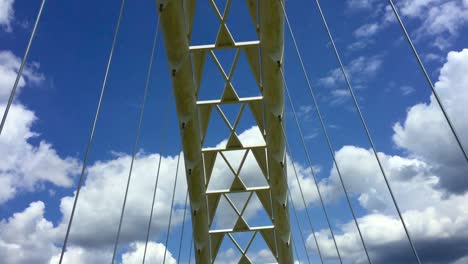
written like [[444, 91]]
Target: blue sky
[[49, 125]]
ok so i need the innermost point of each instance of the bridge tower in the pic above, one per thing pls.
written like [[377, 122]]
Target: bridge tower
[[265, 57]]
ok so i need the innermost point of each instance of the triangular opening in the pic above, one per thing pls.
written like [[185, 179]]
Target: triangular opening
[[247, 122], [226, 58], [225, 216], [209, 159], [251, 173], [204, 115], [198, 65], [213, 202], [234, 158], [259, 244], [217, 132], [255, 214], [231, 112], [228, 251], [204, 15], [240, 22], [221, 5], [221, 177], [244, 78], [239, 200], [216, 241], [212, 82], [256, 108], [242, 238]]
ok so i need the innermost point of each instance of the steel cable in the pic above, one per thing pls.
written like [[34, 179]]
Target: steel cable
[[315, 182], [137, 139], [429, 81], [20, 70], [361, 116], [172, 209], [85, 161], [183, 225], [325, 132], [299, 225]]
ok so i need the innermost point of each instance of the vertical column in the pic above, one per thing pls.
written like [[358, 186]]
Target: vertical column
[[272, 44], [178, 55]]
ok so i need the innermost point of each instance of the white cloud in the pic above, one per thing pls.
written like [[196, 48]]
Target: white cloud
[[9, 66], [425, 133], [407, 90], [366, 30], [102, 195], [155, 254], [437, 218], [6, 14], [25, 166], [360, 4], [439, 230], [360, 71], [440, 20], [26, 237], [78, 255]]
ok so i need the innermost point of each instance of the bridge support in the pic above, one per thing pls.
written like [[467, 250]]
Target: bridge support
[[186, 63]]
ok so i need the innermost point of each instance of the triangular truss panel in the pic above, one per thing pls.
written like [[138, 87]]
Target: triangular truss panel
[[230, 103]]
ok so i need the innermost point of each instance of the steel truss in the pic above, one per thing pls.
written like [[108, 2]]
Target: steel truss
[[265, 57]]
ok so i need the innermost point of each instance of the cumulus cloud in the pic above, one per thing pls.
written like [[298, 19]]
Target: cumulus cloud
[[425, 133], [440, 20], [6, 14], [26, 166], [9, 66], [78, 255], [26, 237], [102, 195], [155, 254], [97, 215], [429, 184], [101, 199]]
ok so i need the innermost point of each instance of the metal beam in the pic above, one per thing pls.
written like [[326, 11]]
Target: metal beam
[[177, 48], [265, 58], [272, 46]]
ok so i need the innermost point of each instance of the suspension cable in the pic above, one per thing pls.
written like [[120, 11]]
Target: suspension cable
[[183, 226], [285, 182], [137, 139], [316, 185], [155, 190], [20, 70], [299, 225], [295, 250], [88, 148], [303, 199], [364, 124], [172, 209], [293, 243], [324, 131], [429, 81], [190, 251]]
